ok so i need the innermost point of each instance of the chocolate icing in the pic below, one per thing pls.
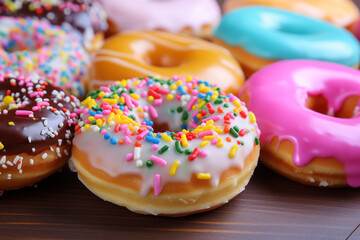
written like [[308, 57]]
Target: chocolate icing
[[15, 138]]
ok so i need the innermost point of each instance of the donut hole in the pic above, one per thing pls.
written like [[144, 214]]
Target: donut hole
[[319, 103], [164, 57]]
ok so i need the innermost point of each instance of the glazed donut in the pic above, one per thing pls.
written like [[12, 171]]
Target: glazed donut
[[121, 159], [84, 18], [308, 113], [342, 13], [36, 129], [258, 36], [176, 16], [143, 53], [32, 46]]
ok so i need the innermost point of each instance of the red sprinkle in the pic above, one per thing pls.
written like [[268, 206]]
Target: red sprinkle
[[242, 132], [194, 154], [138, 144], [243, 114]]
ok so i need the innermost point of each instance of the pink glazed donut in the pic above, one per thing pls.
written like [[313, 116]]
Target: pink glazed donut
[[176, 16], [308, 112]]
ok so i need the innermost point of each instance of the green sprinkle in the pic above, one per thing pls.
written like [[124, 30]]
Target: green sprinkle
[[257, 141], [163, 149], [132, 117], [179, 109], [131, 90], [172, 110], [207, 98], [93, 122], [234, 132], [226, 105], [149, 163], [185, 115], [242, 142], [236, 128], [235, 114], [218, 101], [188, 151], [178, 147]]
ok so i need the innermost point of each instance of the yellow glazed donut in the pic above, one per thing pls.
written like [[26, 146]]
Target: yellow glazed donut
[[143, 53], [342, 13], [126, 153]]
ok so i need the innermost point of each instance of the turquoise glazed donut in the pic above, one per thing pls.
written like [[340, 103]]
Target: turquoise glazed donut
[[275, 34]]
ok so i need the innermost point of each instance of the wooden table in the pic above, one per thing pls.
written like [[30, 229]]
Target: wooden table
[[271, 207]]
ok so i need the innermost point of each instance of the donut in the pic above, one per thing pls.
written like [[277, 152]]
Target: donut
[[155, 53], [35, 47], [258, 36], [342, 13], [85, 19], [356, 29], [308, 113], [176, 16], [129, 148], [36, 127]]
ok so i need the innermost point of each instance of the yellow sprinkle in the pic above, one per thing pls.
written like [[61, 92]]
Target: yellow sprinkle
[[1, 146], [178, 82], [166, 137], [122, 100], [8, 99], [140, 110], [150, 98], [219, 131], [14, 106], [188, 78], [87, 126], [11, 123], [252, 117], [173, 168], [110, 101], [209, 137], [135, 96], [204, 143], [237, 103], [131, 128], [86, 101], [173, 86], [204, 176], [99, 122], [111, 117], [184, 140], [233, 151], [220, 144], [201, 104], [91, 118], [116, 96], [184, 131], [170, 97], [101, 94], [214, 97]]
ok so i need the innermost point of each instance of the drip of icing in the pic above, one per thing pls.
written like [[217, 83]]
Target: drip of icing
[[277, 34], [280, 109]]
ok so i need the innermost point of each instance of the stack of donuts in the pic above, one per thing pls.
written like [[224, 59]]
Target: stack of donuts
[[178, 99]]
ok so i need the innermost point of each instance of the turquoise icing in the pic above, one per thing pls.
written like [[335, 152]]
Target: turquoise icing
[[276, 34]]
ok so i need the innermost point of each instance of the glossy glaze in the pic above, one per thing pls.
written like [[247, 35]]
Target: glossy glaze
[[279, 35], [143, 53], [341, 13], [278, 95]]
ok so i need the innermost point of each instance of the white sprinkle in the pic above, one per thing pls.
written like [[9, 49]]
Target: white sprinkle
[[137, 153], [31, 161], [66, 152], [44, 155], [9, 163], [59, 142], [9, 176], [51, 149], [3, 160], [139, 163], [61, 124], [4, 166], [33, 149], [29, 139]]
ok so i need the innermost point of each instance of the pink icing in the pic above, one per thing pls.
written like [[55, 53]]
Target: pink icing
[[170, 15], [278, 94]]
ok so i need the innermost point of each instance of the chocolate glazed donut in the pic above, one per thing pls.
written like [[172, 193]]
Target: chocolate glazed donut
[[35, 130]]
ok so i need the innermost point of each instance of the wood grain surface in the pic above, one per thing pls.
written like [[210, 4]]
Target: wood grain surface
[[271, 207]]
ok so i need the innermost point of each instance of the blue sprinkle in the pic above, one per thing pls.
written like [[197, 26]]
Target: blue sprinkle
[[184, 126], [152, 139], [107, 136], [122, 108], [209, 93], [158, 135], [201, 95], [181, 90], [113, 140], [98, 112], [149, 83], [195, 119], [92, 113]]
